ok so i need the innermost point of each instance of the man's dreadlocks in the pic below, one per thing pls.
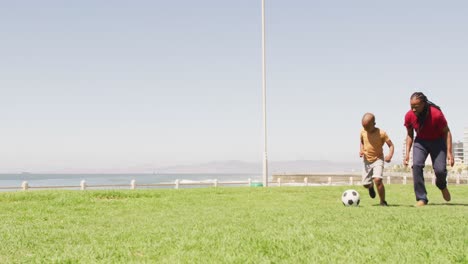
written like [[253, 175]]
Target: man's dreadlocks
[[423, 115]]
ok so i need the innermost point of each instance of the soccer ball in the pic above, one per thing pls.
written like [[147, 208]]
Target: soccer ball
[[350, 198]]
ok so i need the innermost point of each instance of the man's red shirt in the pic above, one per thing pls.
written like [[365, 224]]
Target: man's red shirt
[[433, 125]]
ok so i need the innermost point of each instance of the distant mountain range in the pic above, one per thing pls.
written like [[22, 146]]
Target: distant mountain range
[[227, 166], [274, 167]]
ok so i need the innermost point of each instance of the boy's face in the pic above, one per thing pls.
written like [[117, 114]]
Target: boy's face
[[368, 125]]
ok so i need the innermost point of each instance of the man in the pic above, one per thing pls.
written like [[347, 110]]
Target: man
[[433, 138]]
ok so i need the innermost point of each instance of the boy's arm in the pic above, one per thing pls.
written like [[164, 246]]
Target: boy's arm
[[389, 156], [361, 150]]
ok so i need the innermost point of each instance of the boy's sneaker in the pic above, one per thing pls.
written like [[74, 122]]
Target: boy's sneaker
[[372, 192], [384, 203]]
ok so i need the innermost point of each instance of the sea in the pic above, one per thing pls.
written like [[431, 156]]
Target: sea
[[38, 180]]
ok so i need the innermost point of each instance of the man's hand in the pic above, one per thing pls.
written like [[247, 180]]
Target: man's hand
[[450, 159], [406, 160]]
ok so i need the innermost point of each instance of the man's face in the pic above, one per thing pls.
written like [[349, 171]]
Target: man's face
[[417, 106]]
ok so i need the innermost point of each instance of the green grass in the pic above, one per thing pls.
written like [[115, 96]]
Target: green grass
[[232, 225]]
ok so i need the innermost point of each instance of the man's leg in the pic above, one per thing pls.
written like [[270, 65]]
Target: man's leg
[[419, 158], [439, 162]]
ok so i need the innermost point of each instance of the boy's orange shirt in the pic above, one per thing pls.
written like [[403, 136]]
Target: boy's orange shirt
[[373, 144]]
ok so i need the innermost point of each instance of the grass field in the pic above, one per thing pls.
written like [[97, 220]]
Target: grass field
[[232, 225]]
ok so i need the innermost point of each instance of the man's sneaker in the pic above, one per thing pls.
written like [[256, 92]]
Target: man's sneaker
[[446, 194], [420, 203], [372, 192], [384, 203]]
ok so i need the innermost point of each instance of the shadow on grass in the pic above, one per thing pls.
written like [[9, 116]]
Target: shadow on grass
[[446, 204], [392, 205], [429, 204]]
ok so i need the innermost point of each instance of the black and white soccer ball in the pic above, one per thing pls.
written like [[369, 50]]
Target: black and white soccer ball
[[350, 198]]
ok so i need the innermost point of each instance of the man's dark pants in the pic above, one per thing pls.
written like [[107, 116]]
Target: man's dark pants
[[437, 149]]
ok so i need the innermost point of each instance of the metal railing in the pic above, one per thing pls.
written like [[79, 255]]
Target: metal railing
[[279, 180]]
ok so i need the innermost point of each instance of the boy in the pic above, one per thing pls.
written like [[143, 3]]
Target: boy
[[372, 141]]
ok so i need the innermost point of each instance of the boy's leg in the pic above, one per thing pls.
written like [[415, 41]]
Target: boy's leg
[[380, 189], [371, 191], [439, 161], [366, 181], [377, 177], [419, 158]]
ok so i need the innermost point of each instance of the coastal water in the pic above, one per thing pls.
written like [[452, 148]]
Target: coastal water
[[38, 180]]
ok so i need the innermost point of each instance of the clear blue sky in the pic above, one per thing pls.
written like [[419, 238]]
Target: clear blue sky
[[122, 84]]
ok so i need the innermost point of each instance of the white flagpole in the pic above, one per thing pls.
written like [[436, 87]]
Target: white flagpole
[[265, 159]]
